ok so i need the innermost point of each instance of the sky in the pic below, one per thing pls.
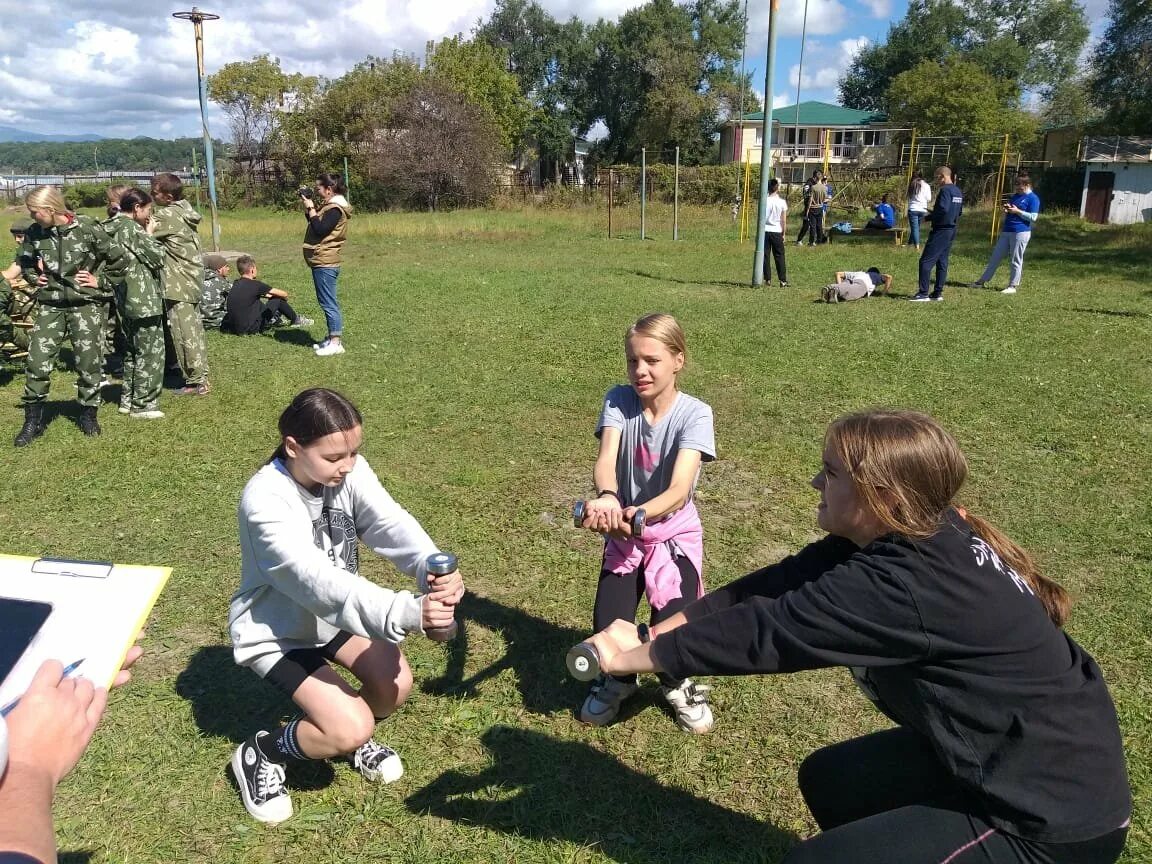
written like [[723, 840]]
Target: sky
[[110, 68]]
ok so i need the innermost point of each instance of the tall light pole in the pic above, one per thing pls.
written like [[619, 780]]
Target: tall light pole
[[198, 18], [766, 152], [738, 129], [799, 80]]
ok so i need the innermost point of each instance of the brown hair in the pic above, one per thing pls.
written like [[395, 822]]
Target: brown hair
[[907, 470], [663, 328], [168, 184], [112, 196], [315, 413], [244, 265]]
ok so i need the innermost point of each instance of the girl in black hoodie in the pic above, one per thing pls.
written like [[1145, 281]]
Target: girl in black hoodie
[[1007, 746]]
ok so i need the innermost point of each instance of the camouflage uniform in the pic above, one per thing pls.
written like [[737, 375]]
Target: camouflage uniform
[[214, 299], [183, 286], [113, 335], [141, 310], [17, 311], [66, 307]]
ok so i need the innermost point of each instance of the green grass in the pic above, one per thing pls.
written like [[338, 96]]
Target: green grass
[[480, 345]]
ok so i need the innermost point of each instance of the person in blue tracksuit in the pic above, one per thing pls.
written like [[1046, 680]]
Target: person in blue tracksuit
[[1020, 212], [885, 218], [944, 216]]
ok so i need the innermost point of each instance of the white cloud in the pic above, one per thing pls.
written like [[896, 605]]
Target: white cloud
[[825, 17], [824, 75], [879, 8], [780, 100]]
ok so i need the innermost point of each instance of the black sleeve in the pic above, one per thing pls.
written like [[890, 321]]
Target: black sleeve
[[786, 575], [857, 614], [324, 225], [17, 858], [265, 288]]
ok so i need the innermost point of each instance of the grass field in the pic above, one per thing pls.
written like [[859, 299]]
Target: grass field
[[480, 345]]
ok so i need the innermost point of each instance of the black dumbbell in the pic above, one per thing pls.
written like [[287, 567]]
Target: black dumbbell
[[441, 564], [580, 510]]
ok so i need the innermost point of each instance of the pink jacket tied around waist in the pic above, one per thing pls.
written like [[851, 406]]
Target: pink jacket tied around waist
[[680, 533]]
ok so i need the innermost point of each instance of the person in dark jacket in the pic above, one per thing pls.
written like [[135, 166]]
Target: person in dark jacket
[[944, 216], [1007, 746]]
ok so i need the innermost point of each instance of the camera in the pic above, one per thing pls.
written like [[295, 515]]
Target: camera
[[305, 192]]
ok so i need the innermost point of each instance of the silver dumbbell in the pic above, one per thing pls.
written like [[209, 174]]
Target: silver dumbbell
[[583, 661], [580, 510], [441, 564]]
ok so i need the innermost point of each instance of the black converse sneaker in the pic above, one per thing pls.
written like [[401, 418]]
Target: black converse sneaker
[[376, 762], [261, 783]]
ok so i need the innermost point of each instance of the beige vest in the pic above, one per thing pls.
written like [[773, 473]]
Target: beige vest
[[325, 251]]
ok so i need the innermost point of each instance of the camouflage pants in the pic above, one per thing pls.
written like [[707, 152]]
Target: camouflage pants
[[17, 311], [83, 324], [143, 363], [113, 335], [188, 339]]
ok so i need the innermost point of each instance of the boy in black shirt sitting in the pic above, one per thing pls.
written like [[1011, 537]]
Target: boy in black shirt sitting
[[247, 313]]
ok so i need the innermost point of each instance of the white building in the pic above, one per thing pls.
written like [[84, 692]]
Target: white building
[[1117, 180]]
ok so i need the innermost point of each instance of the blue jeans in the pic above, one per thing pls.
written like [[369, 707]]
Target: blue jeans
[[324, 278], [914, 220]]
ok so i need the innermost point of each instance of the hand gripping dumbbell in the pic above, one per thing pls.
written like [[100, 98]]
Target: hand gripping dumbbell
[[441, 564], [583, 659], [580, 510]]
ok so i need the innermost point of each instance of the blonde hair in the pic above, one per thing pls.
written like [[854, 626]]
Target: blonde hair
[[46, 198], [907, 469], [664, 329]]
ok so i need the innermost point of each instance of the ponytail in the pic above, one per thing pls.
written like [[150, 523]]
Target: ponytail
[[1057, 602]]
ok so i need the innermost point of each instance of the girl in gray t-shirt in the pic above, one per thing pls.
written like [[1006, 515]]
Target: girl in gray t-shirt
[[653, 439]]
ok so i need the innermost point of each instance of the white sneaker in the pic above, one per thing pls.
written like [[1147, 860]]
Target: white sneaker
[[604, 700], [261, 783], [302, 322], [377, 763], [323, 344], [330, 349], [977, 284], [1011, 289], [154, 414], [124, 409], [689, 703]]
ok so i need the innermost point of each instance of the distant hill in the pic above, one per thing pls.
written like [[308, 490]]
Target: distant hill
[[11, 133]]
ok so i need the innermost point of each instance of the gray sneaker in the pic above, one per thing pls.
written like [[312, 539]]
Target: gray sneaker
[[604, 700], [689, 703]]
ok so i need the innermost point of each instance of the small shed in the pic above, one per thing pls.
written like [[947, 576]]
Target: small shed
[[1117, 180]]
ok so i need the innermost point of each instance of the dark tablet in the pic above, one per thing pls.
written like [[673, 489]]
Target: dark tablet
[[20, 621]]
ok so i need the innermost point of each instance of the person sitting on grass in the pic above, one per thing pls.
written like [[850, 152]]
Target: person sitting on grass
[[253, 306], [856, 285], [216, 288], [885, 218]]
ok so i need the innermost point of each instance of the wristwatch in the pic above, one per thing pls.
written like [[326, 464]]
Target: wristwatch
[[644, 634]]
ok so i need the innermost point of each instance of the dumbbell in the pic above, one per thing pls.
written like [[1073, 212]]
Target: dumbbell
[[441, 564], [580, 510], [583, 661]]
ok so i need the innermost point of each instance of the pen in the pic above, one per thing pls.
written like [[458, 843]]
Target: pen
[[68, 670]]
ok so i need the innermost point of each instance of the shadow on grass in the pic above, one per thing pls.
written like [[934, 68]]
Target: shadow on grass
[[549, 790], [535, 652], [231, 702], [294, 337], [74, 857], [1115, 313], [722, 283]]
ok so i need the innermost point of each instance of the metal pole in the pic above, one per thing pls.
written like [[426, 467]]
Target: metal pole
[[196, 174], [347, 185], [198, 18], [609, 203], [738, 129], [800, 78], [643, 188], [676, 199], [766, 152]]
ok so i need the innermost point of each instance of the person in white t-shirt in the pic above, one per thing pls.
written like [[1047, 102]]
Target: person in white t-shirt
[[919, 199], [775, 224]]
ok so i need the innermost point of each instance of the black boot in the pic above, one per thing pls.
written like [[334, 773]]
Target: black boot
[[87, 422], [33, 424]]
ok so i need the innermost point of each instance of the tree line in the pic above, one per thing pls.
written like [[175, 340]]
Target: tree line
[[98, 157], [989, 67]]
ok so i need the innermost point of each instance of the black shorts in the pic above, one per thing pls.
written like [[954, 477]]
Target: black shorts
[[293, 668]]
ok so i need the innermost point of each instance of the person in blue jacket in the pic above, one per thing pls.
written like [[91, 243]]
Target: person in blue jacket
[[1005, 748], [885, 218], [1020, 213], [944, 216]]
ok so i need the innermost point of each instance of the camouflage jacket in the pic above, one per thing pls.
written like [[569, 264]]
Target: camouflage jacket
[[62, 251], [176, 233], [137, 286], [214, 299]]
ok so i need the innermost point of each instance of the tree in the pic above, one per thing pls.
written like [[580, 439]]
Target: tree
[[478, 71], [1025, 44], [439, 149], [1121, 69], [252, 94], [957, 98]]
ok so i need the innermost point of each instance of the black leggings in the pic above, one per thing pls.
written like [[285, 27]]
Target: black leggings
[[618, 596], [886, 798]]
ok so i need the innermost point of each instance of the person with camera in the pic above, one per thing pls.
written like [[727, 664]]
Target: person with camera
[[323, 241], [1020, 211]]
